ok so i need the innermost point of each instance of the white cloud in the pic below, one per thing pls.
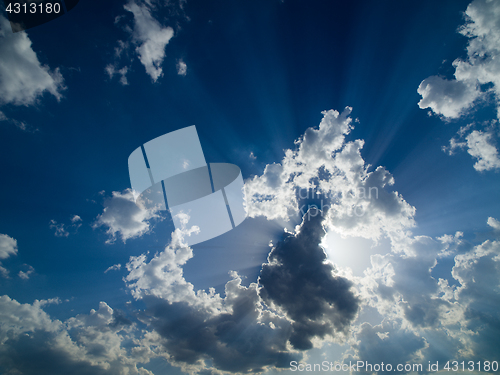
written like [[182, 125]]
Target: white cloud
[[150, 37], [239, 333], [477, 78], [162, 276], [480, 144], [181, 68], [480, 147], [448, 98], [426, 318], [8, 246], [25, 275], [482, 65], [359, 201], [4, 272], [101, 342], [23, 79], [114, 267], [59, 229], [494, 223], [75, 219], [124, 217], [111, 70]]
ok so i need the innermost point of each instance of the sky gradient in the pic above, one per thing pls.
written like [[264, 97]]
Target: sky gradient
[[382, 114]]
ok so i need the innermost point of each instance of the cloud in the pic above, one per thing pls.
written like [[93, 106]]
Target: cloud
[[76, 219], [426, 318], [299, 282], [97, 343], [25, 275], [8, 246], [480, 144], [150, 38], [450, 98], [181, 67], [332, 170], [477, 78], [4, 272], [388, 343], [59, 229], [297, 300], [111, 70], [123, 217], [480, 147], [494, 223], [23, 79], [114, 267]]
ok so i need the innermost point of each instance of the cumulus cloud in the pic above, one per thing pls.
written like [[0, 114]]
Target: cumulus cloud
[[298, 299], [23, 79], [450, 98], [8, 246], [34, 343], [428, 318], [123, 217], [151, 38], [332, 170], [480, 144], [476, 79]]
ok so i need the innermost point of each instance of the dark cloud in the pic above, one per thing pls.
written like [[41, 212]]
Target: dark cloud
[[40, 354], [244, 335], [236, 342], [298, 280]]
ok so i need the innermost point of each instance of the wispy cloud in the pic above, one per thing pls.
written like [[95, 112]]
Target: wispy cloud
[[114, 267], [60, 229], [181, 67]]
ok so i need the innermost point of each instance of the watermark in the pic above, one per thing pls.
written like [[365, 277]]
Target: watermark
[[170, 173], [360, 192], [25, 14], [325, 200], [365, 366]]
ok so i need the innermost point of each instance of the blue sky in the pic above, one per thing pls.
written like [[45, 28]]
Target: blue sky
[[337, 97]]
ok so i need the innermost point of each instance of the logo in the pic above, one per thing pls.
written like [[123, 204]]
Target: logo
[[25, 14], [171, 171]]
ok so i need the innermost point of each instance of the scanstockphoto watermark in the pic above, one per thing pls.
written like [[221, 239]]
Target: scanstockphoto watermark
[[325, 200], [365, 366], [360, 192], [327, 366]]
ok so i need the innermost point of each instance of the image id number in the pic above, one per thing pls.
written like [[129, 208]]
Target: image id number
[[34, 8]]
